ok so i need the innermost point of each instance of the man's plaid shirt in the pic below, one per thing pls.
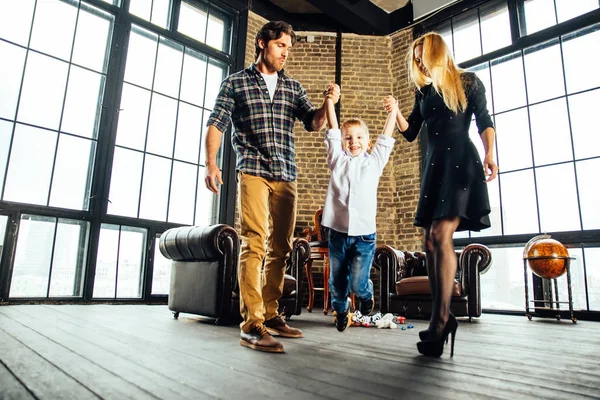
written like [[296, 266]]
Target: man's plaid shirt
[[263, 131]]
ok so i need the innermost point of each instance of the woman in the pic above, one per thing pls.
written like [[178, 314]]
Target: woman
[[453, 194]]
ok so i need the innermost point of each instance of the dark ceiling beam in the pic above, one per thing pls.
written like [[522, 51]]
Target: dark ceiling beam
[[364, 18], [300, 21], [268, 10], [401, 18]]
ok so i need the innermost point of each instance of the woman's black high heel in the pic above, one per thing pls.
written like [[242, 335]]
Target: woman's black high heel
[[435, 348], [423, 335]]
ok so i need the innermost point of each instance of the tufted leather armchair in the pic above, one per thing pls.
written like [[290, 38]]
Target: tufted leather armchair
[[204, 277], [409, 293]]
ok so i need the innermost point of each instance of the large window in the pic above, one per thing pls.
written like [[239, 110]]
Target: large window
[[102, 118], [541, 96]]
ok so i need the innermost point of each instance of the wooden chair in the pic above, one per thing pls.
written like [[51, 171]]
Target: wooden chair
[[317, 237]]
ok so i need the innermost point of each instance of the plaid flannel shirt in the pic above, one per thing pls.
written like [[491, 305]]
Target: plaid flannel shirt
[[263, 131]]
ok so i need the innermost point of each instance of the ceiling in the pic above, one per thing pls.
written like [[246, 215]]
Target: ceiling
[[365, 17]]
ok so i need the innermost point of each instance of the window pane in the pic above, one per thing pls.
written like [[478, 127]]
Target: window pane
[[72, 181], [141, 55], [567, 9], [53, 28], [577, 73], [519, 210], [513, 140], [133, 117], [460, 235], [508, 83], [483, 72], [495, 26], [206, 202], [192, 21], [577, 282], [160, 12], [156, 11], [215, 74], [161, 271], [161, 129], [183, 193], [502, 287], [551, 136], [93, 37], [495, 214], [189, 126], [43, 91], [168, 67], [15, 20], [131, 262], [202, 152], [125, 183], [539, 14], [10, 78], [586, 136], [5, 135], [70, 254], [31, 159], [557, 197], [106, 262], [155, 188], [467, 41], [215, 33], [592, 269], [32, 256], [83, 104], [194, 77], [543, 86], [589, 192], [141, 8]]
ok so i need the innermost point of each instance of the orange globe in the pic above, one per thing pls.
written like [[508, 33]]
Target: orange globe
[[548, 258]]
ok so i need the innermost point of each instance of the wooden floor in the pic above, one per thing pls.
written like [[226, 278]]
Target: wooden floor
[[141, 352]]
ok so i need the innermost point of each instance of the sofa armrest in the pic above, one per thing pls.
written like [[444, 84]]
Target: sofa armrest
[[474, 259], [204, 243], [388, 261]]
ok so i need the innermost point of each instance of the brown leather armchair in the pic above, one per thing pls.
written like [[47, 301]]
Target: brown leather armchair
[[204, 272], [409, 293]]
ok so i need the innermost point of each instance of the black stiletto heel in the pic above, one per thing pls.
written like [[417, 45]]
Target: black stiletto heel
[[423, 335], [435, 347]]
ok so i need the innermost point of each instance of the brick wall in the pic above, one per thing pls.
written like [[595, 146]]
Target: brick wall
[[372, 67]]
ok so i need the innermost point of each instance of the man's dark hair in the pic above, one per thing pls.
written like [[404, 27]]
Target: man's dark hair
[[273, 31]]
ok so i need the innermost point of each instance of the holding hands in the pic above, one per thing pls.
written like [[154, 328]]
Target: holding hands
[[390, 103], [332, 92]]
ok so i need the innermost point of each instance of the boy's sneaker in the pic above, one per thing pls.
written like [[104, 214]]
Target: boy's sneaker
[[366, 306], [343, 320]]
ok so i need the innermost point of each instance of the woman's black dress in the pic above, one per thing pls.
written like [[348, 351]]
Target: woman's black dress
[[453, 180]]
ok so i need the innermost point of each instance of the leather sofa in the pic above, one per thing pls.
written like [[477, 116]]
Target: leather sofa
[[204, 278], [405, 275]]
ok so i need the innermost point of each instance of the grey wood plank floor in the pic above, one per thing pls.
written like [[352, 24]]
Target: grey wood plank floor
[[141, 352]]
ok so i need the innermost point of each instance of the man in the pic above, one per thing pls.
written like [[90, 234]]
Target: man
[[263, 103]]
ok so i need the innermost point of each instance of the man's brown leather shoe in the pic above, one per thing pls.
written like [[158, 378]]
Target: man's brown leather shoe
[[259, 339], [277, 326]]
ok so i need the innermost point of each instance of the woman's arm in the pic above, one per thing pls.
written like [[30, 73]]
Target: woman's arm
[[489, 166]]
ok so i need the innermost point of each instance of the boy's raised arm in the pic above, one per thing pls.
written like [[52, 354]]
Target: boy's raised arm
[[331, 117], [390, 122]]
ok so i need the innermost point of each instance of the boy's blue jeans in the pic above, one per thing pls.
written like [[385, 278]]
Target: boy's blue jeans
[[350, 263]]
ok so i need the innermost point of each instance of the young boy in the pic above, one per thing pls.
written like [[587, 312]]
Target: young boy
[[350, 209]]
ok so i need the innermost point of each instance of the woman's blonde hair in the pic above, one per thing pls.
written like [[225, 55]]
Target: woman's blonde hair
[[445, 76]]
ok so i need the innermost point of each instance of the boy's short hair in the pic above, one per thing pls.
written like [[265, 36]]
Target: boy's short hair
[[355, 122], [273, 31]]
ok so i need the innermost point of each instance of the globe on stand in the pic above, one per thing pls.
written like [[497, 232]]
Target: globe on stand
[[548, 258]]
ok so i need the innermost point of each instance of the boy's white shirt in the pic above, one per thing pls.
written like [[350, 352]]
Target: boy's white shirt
[[351, 201]]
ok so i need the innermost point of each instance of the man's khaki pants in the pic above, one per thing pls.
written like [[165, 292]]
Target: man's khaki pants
[[267, 215]]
